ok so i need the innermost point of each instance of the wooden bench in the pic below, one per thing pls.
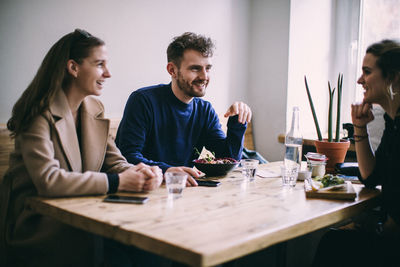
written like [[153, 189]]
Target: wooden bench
[[7, 144]]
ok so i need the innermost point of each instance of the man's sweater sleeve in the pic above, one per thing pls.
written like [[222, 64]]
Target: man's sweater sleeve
[[229, 145]]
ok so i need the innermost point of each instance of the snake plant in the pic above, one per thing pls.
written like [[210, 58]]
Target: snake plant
[[339, 102]]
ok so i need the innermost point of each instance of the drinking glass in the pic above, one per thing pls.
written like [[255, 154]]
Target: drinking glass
[[289, 175], [249, 168], [175, 182]]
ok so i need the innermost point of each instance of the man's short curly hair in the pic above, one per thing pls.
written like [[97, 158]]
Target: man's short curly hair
[[186, 41]]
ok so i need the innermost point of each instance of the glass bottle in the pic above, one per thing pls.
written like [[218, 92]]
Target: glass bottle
[[293, 143]]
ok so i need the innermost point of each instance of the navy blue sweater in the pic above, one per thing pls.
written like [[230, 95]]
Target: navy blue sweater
[[159, 129]]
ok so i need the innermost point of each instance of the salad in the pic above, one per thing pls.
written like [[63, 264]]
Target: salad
[[327, 182], [330, 180], [211, 159], [216, 160]]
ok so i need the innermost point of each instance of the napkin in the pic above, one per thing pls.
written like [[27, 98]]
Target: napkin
[[267, 174], [263, 173]]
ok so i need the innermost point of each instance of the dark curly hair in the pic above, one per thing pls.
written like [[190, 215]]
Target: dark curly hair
[[388, 54], [186, 41]]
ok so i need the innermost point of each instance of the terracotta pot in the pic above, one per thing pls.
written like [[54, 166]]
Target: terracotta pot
[[335, 151]]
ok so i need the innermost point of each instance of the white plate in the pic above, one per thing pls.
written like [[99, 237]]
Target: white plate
[[333, 187]]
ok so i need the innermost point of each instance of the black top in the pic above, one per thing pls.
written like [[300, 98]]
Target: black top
[[387, 168]]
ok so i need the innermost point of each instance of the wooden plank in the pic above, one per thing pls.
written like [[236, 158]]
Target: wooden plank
[[309, 141], [347, 192], [6, 146], [209, 226]]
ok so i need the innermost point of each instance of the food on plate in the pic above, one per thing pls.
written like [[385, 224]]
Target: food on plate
[[216, 160], [211, 159], [315, 185], [212, 166], [329, 180]]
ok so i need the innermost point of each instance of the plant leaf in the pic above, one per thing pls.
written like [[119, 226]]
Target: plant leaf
[[339, 103], [331, 94], [313, 110]]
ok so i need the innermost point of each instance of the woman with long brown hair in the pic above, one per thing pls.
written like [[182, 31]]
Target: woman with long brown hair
[[62, 148]]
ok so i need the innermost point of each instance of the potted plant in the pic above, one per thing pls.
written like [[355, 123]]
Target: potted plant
[[335, 149]]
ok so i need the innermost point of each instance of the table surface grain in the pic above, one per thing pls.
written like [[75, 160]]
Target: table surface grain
[[208, 225]]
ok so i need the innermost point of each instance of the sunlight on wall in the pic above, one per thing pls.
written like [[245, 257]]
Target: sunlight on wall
[[309, 54]]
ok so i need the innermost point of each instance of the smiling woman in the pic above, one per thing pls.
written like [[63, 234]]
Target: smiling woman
[[380, 79], [62, 148], [90, 73]]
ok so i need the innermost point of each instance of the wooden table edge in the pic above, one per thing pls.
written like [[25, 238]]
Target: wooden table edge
[[99, 228], [192, 258], [306, 227]]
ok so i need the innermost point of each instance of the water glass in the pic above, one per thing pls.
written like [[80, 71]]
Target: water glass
[[289, 175], [249, 168], [175, 182]]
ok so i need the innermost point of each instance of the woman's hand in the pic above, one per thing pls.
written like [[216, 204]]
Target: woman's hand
[[361, 114], [139, 178], [155, 180]]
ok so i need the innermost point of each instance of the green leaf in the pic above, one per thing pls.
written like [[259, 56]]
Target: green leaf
[[339, 103], [331, 94], [313, 110]]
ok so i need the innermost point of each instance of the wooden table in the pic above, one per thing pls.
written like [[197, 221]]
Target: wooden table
[[209, 225]]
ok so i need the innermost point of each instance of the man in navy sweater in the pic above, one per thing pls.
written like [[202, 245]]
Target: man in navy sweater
[[163, 124]]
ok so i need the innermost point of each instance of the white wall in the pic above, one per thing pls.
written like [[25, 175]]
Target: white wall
[[137, 34], [250, 63], [310, 51], [268, 67]]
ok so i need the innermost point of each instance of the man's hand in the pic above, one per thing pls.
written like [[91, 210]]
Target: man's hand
[[139, 178], [192, 174], [242, 110]]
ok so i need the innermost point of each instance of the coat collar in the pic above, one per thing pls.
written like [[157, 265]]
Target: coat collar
[[88, 155], [94, 134], [65, 127]]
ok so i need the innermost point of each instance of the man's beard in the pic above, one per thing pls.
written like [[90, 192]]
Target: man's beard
[[188, 89]]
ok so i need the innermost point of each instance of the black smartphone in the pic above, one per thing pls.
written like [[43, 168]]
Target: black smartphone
[[207, 183], [126, 199]]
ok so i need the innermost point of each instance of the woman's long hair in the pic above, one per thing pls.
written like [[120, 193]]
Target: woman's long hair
[[51, 76]]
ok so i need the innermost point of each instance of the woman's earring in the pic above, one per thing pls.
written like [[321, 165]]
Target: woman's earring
[[390, 91]]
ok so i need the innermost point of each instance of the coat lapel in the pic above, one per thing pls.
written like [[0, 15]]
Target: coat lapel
[[94, 135], [65, 127]]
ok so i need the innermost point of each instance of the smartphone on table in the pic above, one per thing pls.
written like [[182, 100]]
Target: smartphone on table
[[207, 183], [126, 199]]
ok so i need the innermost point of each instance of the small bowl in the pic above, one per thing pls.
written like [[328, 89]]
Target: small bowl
[[217, 169]]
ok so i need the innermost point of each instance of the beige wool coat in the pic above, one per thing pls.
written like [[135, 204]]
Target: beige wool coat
[[49, 161]]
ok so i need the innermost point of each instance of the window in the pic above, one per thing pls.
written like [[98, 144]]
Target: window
[[337, 43], [380, 19]]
